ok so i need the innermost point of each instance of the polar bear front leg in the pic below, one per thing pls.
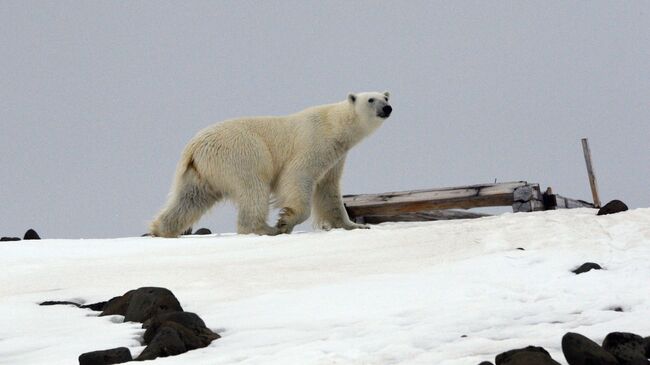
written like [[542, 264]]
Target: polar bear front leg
[[329, 210], [295, 200]]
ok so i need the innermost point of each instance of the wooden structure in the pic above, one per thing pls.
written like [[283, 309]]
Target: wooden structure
[[590, 172], [423, 204]]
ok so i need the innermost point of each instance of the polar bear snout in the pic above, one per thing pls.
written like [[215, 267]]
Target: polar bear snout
[[385, 111]]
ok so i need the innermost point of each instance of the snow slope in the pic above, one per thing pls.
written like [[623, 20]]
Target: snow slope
[[453, 292]]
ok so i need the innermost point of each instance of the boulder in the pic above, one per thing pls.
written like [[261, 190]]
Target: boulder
[[530, 355], [627, 348], [203, 231], [587, 266], [105, 357], [31, 235], [615, 206], [148, 302], [579, 350], [167, 342], [190, 327], [9, 239]]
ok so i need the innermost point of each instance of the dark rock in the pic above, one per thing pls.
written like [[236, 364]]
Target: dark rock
[[105, 357], [617, 309], [615, 206], [167, 342], [147, 302], [628, 348], [189, 326], [95, 306], [579, 350], [54, 302], [31, 235], [146, 235], [203, 231], [98, 307], [587, 266], [187, 232], [9, 239], [117, 305], [486, 363], [647, 347], [521, 249], [530, 355]]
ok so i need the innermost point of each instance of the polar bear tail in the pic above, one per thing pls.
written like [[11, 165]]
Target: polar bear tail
[[189, 199]]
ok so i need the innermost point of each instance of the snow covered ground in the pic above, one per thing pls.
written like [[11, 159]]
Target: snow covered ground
[[446, 293]]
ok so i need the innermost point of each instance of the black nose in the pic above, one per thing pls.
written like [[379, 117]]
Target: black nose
[[387, 110]]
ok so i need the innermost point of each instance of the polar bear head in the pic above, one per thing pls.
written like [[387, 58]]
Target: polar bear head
[[371, 106]]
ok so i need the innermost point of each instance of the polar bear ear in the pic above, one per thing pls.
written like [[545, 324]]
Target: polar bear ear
[[352, 98], [387, 94]]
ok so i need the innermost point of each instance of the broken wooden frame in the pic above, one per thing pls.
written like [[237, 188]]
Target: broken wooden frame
[[422, 204]]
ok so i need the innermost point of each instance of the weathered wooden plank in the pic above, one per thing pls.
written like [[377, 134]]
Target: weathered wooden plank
[[484, 195], [590, 172], [434, 215], [556, 201], [568, 203]]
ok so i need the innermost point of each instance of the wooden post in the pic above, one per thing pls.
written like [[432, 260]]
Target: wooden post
[[590, 172]]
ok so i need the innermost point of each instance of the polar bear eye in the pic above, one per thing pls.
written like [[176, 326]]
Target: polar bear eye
[[371, 100]]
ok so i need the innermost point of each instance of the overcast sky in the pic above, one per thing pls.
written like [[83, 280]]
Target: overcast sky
[[98, 98]]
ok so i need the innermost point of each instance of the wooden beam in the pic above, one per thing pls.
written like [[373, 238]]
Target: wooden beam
[[568, 203], [433, 215], [394, 203], [590, 171]]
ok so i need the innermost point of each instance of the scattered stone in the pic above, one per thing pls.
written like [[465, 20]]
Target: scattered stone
[[587, 266], [31, 235], [148, 302], [146, 235], [95, 306], [530, 355], [617, 309], [615, 206], [647, 347], [203, 231], [628, 348], [9, 239], [521, 249], [55, 302], [486, 363], [167, 342], [579, 350], [106, 357], [169, 330]]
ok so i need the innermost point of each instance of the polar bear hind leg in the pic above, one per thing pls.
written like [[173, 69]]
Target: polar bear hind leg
[[190, 198]]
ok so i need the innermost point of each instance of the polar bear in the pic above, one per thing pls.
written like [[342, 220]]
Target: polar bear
[[293, 161]]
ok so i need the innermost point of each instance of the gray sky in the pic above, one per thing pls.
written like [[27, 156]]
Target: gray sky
[[98, 98]]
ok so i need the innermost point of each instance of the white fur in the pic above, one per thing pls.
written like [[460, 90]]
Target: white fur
[[296, 160]]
